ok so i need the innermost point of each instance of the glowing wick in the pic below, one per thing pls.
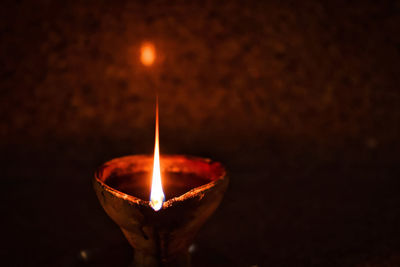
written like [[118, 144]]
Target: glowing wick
[[157, 195]]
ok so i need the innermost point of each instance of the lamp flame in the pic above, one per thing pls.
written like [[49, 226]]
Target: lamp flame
[[157, 194]]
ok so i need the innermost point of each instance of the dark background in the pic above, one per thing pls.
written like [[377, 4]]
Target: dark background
[[299, 99]]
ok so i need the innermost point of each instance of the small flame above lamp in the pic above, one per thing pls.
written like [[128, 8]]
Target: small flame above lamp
[[160, 202]]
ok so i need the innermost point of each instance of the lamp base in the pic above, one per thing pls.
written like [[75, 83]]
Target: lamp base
[[143, 260], [121, 255]]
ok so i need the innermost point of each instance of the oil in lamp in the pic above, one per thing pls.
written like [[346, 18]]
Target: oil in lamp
[[160, 203]]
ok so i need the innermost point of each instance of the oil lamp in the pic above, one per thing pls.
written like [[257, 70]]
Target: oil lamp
[[160, 202]]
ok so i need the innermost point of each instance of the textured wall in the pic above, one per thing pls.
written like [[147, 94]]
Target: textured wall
[[227, 73]]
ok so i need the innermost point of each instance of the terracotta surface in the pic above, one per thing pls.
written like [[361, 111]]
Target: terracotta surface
[[161, 238]]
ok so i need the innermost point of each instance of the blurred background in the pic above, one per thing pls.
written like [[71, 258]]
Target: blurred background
[[300, 101]]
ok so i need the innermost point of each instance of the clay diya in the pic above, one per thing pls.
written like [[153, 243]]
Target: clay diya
[[193, 189]]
